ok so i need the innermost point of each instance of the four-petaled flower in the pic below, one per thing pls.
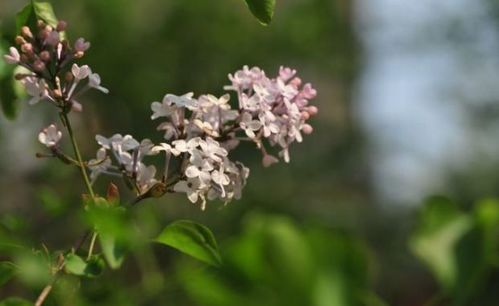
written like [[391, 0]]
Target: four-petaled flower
[[50, 136]]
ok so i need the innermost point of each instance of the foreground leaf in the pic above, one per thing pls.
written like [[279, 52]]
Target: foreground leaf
[[441, 226], [7, 270], [78, 266], [192, 239], [15, 301], [35, 11], [113, 249], [263, 10]]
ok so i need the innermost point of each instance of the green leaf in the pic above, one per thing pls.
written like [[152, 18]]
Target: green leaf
[[7, 270], [441, 226], [15, 301], [263, 10], [114, 250], [192, 239], [78, 266], [33, 12], [115, 231]]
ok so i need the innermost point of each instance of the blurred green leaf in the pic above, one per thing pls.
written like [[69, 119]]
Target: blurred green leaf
[[115, 231], [192, 239], [263, 10], [15, 301], [78, 266], [8, 96], [34, 268], [7, 271], [33, 12], [441, 226], [114, 250]]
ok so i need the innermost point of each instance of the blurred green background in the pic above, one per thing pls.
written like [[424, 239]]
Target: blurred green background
[[408, 108]]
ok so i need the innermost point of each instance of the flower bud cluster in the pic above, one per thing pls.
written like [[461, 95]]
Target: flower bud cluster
[[50, 72]]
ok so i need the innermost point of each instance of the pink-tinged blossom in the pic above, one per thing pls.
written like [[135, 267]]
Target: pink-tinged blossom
[[13, 57], [99, 165], [80, 73], [94, 81], [81, 45], [50, 136]]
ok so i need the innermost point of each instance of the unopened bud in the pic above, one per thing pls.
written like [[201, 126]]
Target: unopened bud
[[312, 110], [295, 82], [57, 93], [68, 77], [24, 58], [76, 107], [305, 115], [48, 28], [43, 34], [40, 24], [27, 48], [113, 193], [307, 129], [20, 40], [38, 65], [26, 32], [79, 54], [268, 160], [45, 56], [61, 26]]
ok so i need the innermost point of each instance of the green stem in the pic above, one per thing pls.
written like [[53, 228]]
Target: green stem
[[92, 244], [84, 174]]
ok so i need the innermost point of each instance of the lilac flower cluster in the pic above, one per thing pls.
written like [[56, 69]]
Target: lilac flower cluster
[[199, 133]]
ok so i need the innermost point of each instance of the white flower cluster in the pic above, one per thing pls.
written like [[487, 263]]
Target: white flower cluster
[[127, 154], [199, 134], [276, 109]]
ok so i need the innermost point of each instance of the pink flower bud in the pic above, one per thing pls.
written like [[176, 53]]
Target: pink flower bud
[[38, 65], [20, 40], [45, 56], [269, 160], [305, 115], [27, 48], [26, 32], [307, 129], [312, 110], [76, 107], [61, 26], [295, 82], [52, 38]]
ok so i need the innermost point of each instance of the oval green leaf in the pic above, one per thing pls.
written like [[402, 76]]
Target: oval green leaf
[[192, 239], [263, 10], [78, 266]]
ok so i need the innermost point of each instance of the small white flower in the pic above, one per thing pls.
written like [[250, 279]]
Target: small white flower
[[50, 136], [185, 100], [170, 130], [163, 109], [249, 125], [145, 177], [186, 146], [212, 149], [190, 187], [99, 165], [80, 73], [94, 82], [35, 88], [81, 45], [13, 57]]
